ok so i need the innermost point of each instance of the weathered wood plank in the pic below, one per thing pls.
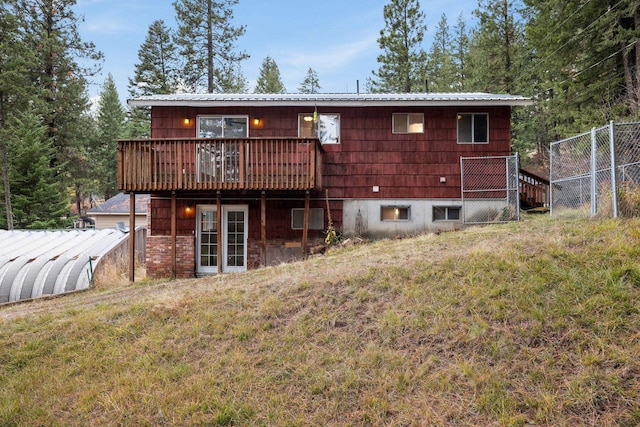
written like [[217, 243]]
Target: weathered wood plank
[[218, 164]]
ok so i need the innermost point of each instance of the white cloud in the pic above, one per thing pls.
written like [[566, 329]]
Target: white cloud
[[331, 59], [333, 63], [108, 25]]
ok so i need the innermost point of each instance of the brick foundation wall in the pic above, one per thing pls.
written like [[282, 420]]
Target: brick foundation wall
[[159, 263], [159, 254], [279, 251], [253, 254]]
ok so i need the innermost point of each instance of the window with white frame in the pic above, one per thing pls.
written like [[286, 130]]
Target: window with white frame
[[446, 213], [473, 128], [325, 127], [395, 213], [316, 219], [222, 127], [408, 123]]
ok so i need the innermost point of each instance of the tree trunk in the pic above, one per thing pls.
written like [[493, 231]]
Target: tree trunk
[[209, 47], [628, 80], [507, 48], [7, 187], [631, 62], [636, 21], [78, 200]]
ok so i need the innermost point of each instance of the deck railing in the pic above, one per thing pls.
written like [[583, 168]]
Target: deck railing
[[219, 164], [534, 190]]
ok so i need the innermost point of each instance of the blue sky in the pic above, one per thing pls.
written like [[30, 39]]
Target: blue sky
[[337, 38]]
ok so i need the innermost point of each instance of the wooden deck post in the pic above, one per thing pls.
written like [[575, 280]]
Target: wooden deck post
[[173, 234], [132, 237], [263, 229], [219, 229], [305, 229]]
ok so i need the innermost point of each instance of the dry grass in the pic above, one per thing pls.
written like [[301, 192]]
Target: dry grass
[[628, 201], [519, 324], [114, 272]]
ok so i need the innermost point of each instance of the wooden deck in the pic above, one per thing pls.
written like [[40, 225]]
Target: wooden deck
[[534, 190], [198, 164]]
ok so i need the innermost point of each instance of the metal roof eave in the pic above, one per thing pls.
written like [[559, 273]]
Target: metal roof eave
[[350, 100]]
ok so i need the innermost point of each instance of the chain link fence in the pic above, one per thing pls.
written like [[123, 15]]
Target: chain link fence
[[597, 173], [490, 189]]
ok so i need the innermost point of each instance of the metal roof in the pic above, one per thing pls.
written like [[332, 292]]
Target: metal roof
[[119, 204], [37, 263], [331, 99]]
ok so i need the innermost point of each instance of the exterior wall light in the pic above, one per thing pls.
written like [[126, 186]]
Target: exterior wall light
[[187, 121]]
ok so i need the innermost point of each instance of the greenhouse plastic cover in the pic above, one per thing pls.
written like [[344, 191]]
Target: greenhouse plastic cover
[[38, 263]]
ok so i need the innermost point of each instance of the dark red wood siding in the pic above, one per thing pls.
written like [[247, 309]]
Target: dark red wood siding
[[278, 215], [369, 154]]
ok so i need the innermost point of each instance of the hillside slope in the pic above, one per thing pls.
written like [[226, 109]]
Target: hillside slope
[[529, 323]]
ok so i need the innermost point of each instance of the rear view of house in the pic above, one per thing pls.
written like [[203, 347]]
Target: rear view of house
[[243, 180]]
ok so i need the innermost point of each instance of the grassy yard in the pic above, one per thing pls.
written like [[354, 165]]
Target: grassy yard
[[530, 323]]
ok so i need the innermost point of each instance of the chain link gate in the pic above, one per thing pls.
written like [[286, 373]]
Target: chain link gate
[[597, 172], [490, 189]]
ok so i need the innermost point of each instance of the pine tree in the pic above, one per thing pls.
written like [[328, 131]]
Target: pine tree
[[51, 33], [231, 79], [15, 89], [157, 69], [155, 73], [310, 84], [629, 38], [110, 126], [497, 60], [36, 197], [441, 71], [86, 182], [496, 48], [269, 79], [586, 57], [403, 58], [460, 45], [206, 38]]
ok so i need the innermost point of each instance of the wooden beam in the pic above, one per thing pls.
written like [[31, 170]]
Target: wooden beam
[[121, 166], [263, 229], [305, 228], [219, 229], [173, 234], [132, 237]]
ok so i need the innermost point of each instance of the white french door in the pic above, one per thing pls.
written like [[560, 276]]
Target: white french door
[[234, 239]]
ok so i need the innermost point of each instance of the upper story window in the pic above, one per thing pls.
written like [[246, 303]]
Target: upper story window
[[222, 127], [408, 123], [325, 127], [473, 128]]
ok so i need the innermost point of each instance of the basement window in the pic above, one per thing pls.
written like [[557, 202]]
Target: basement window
[[316, 219], [408, 123], [446, 213], [395, 213]]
